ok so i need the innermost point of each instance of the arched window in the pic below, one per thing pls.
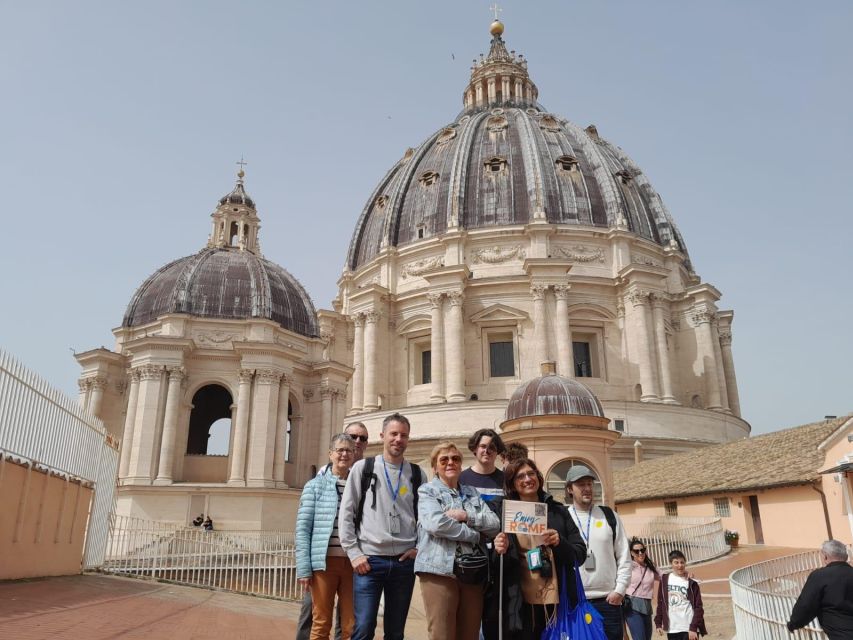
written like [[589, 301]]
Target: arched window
[[555, 482], [211, 407]]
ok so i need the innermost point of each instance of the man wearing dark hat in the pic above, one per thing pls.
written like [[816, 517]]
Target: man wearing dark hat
[[607, 570]]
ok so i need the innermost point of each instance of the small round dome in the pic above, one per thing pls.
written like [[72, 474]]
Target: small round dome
[[224, 282], [553, 395], [238, 195]]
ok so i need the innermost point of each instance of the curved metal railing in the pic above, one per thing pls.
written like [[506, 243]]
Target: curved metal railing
[[764, 594], [699, 539]]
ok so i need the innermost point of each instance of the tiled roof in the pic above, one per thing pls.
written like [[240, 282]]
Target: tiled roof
[[781, 458]]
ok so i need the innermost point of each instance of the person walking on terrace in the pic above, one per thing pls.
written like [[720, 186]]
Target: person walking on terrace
[[827, 595]]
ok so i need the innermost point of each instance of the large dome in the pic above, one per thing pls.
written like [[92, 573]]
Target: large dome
[[224, 283], [507, 161]]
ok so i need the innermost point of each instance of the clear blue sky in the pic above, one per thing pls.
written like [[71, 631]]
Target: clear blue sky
[[121, 122]]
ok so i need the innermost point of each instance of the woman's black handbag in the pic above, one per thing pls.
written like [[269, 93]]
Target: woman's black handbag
[[471, 568]]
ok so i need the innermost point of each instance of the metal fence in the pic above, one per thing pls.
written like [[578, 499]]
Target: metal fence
[[764, 594], [254, 562], [41, 424], [699, 539]]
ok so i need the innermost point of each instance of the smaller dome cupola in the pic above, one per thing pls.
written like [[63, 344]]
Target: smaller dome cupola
[[235, 220], [500, 78]]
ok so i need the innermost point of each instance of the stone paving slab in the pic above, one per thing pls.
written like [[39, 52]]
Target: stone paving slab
[[98, 607]]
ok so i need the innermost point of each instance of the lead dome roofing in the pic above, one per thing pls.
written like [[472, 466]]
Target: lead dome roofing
[[507, 161], [553, 395]]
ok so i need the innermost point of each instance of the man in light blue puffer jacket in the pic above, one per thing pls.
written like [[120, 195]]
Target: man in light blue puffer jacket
[[322, 566]]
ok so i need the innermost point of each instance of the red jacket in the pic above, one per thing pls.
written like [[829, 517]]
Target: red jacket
[[697, 624]]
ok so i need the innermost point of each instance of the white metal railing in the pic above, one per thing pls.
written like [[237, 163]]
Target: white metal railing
[[699, 539], [764, 594], [41, 424], [253, 562]]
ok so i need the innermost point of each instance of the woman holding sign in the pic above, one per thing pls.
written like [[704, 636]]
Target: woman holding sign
[[451, 563], [534, 554]]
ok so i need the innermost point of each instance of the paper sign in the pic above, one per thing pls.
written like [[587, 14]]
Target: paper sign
[[525, 517]]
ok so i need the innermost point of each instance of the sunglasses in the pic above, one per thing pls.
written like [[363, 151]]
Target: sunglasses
[[445, 460], [359, 438], [638, 551]]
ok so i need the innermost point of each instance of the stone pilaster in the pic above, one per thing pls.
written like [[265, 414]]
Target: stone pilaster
[[237, 471], [659, 303], [701, 318], [371, 346], [141, 461], [729, 369], [455, 348], [358, 364], [540, 333], [170, 426], [281, 429], [96, 399], [129, 422], [436, 301], [563, 333], [326, 393], [643, 340], [262, 442], [718, 360], [84, 385]]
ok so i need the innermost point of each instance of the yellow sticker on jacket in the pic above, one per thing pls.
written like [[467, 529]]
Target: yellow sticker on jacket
[[404, 490], [599, 524]]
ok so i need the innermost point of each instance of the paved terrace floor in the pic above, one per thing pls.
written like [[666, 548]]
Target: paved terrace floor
[[96, 607]]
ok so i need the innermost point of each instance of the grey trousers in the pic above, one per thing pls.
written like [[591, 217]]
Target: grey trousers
[[303, 625]]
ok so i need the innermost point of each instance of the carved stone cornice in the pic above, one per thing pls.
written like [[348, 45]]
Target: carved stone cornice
[[538, 291], [245, 376], [268, 376], [455, 298], [638, 258], [150, 372], [725, 338], [435, 300], [561, 291], [580, 253], [497, 255], [420, 267]]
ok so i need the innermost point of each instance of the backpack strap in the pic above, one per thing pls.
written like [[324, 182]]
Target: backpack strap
[[368, 483], [611, 519], [417, 481]]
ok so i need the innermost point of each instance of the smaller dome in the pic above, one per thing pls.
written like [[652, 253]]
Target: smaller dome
[[553, 395], [238, 195]]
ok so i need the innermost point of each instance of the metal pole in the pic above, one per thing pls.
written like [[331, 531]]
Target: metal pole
[[501, 586]]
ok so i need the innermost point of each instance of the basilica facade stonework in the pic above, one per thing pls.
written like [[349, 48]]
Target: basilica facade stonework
[[511, 238]]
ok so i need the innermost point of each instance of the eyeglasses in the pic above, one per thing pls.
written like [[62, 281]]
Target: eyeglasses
[[444, 460], [359, 438], [342, 451], [487, 447], [638, 551], [526, 475]]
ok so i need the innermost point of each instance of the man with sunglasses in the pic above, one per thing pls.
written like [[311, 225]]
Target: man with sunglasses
[[358, 432]]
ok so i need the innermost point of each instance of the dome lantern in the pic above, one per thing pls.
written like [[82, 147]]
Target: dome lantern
[[235, 221]]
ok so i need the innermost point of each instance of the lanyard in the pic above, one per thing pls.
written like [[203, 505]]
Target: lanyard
[[394, 491], [588, 521]]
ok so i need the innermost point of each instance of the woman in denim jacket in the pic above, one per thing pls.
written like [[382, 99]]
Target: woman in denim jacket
[[451, 518]]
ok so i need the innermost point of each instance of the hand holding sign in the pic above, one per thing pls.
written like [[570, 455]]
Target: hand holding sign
[[531, 518]]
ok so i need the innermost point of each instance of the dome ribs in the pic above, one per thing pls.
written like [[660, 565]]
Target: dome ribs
[[459, 171]]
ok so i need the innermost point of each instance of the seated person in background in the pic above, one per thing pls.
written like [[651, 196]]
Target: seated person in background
[[197, 522], [208, 524]]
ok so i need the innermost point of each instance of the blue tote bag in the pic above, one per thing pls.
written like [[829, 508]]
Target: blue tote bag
[[582, 622]]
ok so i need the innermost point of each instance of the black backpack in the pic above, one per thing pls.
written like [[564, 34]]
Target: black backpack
[[368, 482], [611, 519]]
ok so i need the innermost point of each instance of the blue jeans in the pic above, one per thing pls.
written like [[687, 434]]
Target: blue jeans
[[611, 616], [397, 580], [640, 625]]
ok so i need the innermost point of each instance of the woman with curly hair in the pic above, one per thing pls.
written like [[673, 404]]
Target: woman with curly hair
[[644, 574]]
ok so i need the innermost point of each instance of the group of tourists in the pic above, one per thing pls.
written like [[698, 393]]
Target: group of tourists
[[366, 527]]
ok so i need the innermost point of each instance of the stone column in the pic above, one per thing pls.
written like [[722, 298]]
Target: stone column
[[492, 91], [729, 370], [370, 352], [281, 429], [436, 348], [540, 334], [237, 472], [643, 340], [563, 331], [262, 442], [129, 421], [170, 427], [140, 469], [96, 399], [358, 365], [84, 385], [721, 374], [658, 304], [705, 342], [325, 424], [455, 348]]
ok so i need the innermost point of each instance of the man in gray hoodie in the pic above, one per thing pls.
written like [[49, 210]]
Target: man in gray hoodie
[[378, 530]]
